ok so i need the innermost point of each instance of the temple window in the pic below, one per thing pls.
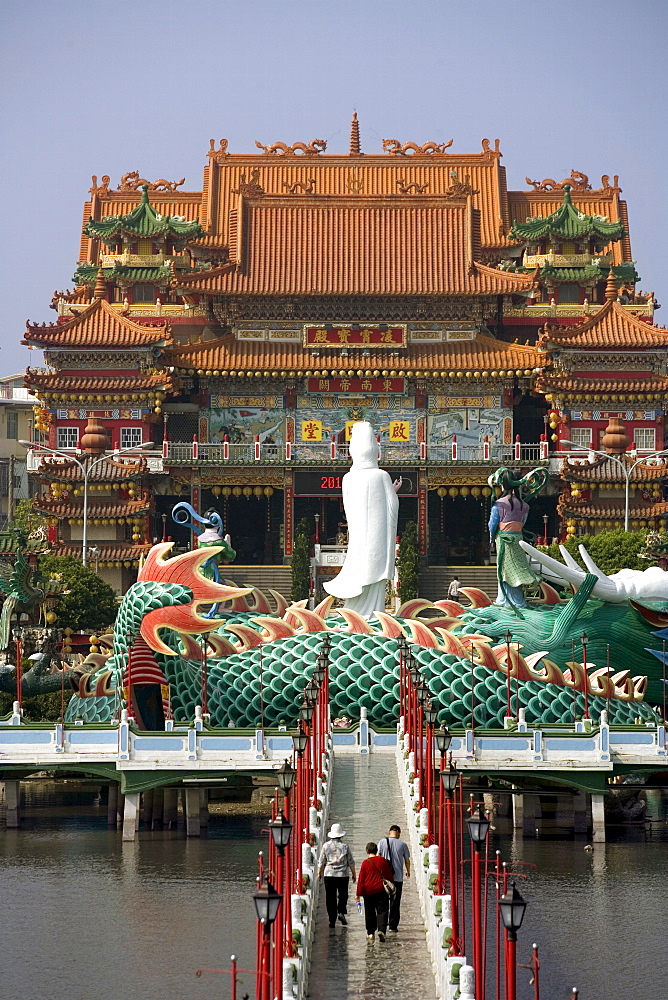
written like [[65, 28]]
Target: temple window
[[130, 437], [645, 438], [145, 248], [569, 292], [581, 437], [568, 249], [68, 437], [12, 425], [143, 292]]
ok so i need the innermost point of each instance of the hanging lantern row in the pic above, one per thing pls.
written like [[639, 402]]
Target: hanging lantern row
[[106, 399], [463, 491], [137, 522], [246, 491], [363, 373]]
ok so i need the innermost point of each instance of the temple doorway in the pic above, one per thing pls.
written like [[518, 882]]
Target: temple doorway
[[458, 534]]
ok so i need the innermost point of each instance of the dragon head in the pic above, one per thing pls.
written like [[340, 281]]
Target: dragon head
[[182, 616]]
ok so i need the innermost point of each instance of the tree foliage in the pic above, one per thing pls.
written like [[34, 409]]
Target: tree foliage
[[610, 550], [409, 563], [90, 604], [27, 519], [301, 562]]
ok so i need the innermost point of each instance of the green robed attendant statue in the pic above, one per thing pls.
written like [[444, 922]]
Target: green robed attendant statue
[[506, 523]]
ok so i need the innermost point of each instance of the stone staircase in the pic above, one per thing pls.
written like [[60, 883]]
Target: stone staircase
[[264, 577], [435, 580]]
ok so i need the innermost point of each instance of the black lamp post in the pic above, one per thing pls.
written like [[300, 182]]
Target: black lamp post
[[311, 691], [584, 639], [306, 712], [300, 741], [285, 775], [281, 829], [513, 907], [478, 829], [449, 782], [443, 740], [267, 902], [430, 715]]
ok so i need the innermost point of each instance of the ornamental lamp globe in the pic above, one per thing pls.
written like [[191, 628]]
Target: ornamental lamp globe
[[267, 902], [285, 775], [513, 907], [478, 828]]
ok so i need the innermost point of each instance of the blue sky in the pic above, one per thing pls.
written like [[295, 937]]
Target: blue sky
[[90, 88]]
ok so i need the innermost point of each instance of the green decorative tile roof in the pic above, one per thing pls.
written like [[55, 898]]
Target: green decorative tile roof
[[143, 222], [623, 272], [569, 224], [86, 274]]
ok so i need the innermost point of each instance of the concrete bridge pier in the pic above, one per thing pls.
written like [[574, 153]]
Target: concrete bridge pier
[[146, 810], [518, 809], [192, 811], [131, 816], [598, 818], [112, 805], [13, 800], [170, 807]]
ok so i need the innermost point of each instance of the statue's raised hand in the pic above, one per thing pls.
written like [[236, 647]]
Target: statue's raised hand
[[397, 484]]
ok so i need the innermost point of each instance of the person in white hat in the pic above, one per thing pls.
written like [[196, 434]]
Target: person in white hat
[[336, 861]]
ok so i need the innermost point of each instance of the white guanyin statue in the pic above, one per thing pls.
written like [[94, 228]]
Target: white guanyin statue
[[371, 505]]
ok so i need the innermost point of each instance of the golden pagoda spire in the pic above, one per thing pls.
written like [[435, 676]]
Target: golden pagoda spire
[[611, 286], [355, 149]]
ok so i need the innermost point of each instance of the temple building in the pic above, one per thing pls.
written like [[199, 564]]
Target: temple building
[[237, 332]]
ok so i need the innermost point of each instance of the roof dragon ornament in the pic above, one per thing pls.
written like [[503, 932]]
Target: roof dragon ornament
[[313, 148], [396, 148]]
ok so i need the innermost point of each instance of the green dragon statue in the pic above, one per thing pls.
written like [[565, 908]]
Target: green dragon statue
[[258, 659]]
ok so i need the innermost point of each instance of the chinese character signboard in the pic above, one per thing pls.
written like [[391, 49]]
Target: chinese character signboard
[[311, 430], [357, 386], [355, 336], [399, 430]]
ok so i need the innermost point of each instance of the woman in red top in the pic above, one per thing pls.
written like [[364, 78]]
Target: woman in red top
[[370, 885]]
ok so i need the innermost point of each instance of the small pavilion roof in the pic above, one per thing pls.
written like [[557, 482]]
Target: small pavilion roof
[[53, 507], [568, 223], [601, 386], [612, 326], [142, 222], [111, 470], [613, 510], [100, 384], [98, 325], [605, 470]]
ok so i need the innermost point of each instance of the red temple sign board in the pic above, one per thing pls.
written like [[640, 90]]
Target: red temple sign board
[[355, 386], [355, 336]]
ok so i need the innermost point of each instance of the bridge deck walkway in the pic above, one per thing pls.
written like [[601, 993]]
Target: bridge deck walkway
[[366, 799]]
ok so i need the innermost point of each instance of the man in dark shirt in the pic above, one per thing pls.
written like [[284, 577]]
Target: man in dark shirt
[[395, 850]]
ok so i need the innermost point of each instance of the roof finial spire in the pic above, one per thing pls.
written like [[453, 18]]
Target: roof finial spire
[[100, 290], [567, 194], [355, 136], [611, 286]]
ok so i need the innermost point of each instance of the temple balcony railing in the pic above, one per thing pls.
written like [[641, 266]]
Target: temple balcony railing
[[139, 309], [571, 309], [144, 260], [334, 452], [566, 260]]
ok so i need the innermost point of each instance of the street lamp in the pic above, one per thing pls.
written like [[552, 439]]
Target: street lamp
[[86, 469], [584, 639], [300, 742], [449, 781], [626, 471], [430, 718], [285, 775], [512, 906], [478, 829], [267, 901]]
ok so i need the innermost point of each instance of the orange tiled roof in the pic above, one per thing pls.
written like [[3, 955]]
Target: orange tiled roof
[[51, 507], [603, 470], [109, 471], [601, 386], [113, 552], [611, 327], [113, 384], [352, 178], [356, 246], [97, 326], [612, 509], [481, 354]]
